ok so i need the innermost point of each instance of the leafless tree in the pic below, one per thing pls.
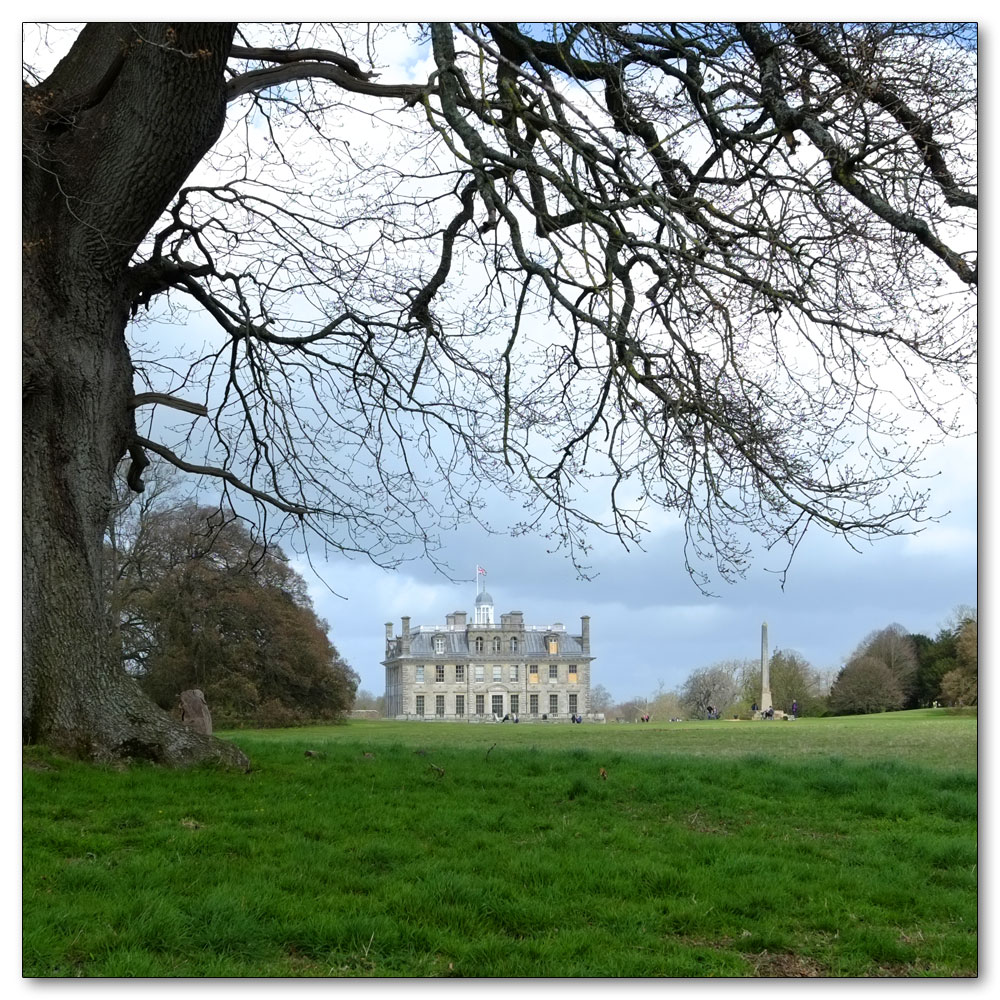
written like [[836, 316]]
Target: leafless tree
[[600, 699], [893, 647], [708, 268], [716, 687], [864, 686]]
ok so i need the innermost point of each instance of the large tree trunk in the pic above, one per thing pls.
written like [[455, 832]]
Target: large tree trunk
[[108, 139]]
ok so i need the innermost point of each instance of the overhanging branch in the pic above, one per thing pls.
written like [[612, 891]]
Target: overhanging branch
[[163, 399], [257, 80], [224, 474]]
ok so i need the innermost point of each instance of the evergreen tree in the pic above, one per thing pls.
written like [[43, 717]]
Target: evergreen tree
[[203, 605]]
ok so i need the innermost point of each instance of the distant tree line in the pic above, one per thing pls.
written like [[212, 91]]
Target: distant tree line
[[893, 669], [196, 601], [890, 669]]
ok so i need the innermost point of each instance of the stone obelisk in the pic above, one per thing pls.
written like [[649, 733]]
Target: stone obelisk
[[765, 671]]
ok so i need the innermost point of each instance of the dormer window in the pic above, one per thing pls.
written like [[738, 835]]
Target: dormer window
[[553, 644], [439, 644]]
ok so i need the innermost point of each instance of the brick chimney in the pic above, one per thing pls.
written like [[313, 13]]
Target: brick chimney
[[404, 642], [585, 633]]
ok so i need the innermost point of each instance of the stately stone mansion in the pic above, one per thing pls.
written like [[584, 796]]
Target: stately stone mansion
[[482, 671]]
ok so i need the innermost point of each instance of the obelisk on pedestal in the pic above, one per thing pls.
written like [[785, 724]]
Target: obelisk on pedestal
[[765, 671]]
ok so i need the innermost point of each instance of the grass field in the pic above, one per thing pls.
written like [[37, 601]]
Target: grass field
[[831, 847]]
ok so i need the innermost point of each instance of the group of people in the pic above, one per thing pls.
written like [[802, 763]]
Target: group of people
[[769, 712], [576, 718], [510, 717]]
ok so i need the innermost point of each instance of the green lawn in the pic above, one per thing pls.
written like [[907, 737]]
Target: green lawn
[[932, 737], [836, 847]]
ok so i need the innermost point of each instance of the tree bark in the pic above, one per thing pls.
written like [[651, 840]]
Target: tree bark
[[108, 139]]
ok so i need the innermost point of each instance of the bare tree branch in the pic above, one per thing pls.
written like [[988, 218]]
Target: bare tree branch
[[224, 474], [162, 399]]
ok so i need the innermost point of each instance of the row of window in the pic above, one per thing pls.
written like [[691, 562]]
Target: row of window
[[512, 644], [513, 673], [497, 706]]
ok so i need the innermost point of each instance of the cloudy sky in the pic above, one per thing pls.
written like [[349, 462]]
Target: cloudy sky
[[649, 623]]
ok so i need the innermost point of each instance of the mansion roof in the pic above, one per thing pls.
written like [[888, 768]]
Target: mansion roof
[[531, 641]]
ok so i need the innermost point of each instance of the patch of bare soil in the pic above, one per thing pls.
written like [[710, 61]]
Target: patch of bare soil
[[38, 765], [785, 966]]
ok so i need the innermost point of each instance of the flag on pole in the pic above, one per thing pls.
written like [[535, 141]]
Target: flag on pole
[[481, 570]]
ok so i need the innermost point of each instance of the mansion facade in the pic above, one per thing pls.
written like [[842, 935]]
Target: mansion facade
[[481, 670]]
